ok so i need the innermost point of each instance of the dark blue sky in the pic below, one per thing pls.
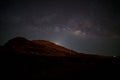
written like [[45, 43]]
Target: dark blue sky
[[86, 26]]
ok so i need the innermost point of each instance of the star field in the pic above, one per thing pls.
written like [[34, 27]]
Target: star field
[[86, 26]]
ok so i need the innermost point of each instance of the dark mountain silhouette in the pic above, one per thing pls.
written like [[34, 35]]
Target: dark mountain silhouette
[[38, 47], [25, 59], [43, 48]]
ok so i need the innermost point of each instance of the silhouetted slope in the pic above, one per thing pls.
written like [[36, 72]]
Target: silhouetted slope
[[55, 49], [38, 47], [24, 59], [43, 48]]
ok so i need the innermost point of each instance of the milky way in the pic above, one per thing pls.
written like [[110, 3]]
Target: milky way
[[86, 26]]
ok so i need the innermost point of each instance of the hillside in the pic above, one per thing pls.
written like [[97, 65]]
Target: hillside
[[38, 47], [25, 59]]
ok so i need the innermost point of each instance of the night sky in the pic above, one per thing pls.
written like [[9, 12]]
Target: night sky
[[86, 26]]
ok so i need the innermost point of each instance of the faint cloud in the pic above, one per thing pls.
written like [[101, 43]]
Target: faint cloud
[[79, 33]]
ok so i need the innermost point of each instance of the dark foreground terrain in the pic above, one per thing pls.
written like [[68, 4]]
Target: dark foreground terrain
[[20, 61]]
